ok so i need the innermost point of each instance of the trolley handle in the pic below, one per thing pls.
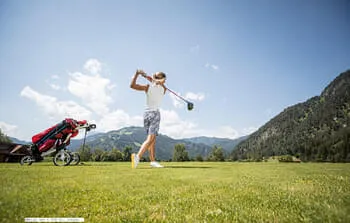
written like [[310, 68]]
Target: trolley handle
[[67, 138]]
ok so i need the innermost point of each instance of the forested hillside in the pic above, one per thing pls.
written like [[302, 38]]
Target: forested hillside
[[134, 137], [316, 130]]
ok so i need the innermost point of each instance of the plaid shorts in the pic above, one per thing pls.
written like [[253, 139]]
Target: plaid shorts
[[151, 121]]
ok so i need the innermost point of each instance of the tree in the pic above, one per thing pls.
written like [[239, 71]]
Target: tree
[[127, 153], [114, 155], [217, 154], [85, 153], [98, 155], [180, 154], [4, 138], [199, 158], [234, 156]]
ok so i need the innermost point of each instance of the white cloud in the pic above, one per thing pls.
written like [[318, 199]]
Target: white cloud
[[118, 119], [55, 87], [177, 103], [93, 66], [54, 108], [111, 87], [194, 49], [226, 132], [172, 125], [55, 77], [194, 96], [230, 132], [212, 66], [8, 129], [215, 67], [93, 90], [249, 130]]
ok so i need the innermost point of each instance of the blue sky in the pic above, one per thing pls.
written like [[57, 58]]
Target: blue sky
[[240, 62]]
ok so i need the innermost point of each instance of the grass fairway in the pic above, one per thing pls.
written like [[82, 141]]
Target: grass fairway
[[181, 192]]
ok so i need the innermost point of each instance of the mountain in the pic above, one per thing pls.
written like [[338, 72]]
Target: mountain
[[18, 141], [90, 136], [134, 137], [227, 144], [315, 130]]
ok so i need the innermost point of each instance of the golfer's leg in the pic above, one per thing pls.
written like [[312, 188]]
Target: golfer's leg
[[152, 149], [154, 129], [145, 146]]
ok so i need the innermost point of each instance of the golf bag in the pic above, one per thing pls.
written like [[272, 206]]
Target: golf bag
[[58, 133], [54, 141]]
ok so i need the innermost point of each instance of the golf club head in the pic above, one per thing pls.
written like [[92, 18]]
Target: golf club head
[[189, 106]]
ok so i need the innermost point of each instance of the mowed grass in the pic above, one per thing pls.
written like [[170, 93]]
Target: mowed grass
[[181, 192]]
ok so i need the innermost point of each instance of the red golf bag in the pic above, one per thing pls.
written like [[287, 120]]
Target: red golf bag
[[47, 138]]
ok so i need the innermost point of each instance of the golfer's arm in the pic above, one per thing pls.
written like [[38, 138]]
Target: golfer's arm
[[136, 86], [165, 88], [149, 78]]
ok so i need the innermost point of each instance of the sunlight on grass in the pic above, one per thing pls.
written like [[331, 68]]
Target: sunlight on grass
[[182, 192]]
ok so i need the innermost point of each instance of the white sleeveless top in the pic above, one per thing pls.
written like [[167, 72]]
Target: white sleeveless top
[[155, 95]]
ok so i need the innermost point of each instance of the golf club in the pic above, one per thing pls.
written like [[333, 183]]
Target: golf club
[[190, 105]]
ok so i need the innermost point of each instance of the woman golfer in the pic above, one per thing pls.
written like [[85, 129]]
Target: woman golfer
[[151, 119]]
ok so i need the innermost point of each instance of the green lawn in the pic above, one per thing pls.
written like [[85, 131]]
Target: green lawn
[[181, 192]]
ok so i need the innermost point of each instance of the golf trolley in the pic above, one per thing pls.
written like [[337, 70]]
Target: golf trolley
[[53, 141]]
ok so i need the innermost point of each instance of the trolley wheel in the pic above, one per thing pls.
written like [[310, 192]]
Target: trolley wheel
[[75, 158], [27, 160], [62, 158]]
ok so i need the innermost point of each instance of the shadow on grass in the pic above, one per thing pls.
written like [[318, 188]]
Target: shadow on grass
[[70, 165], [188, 167], [173, 167]]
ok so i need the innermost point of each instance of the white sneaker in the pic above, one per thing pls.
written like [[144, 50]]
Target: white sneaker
[[156, 165], [134, 160]]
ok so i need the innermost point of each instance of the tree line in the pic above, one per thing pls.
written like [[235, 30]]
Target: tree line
[[98, 155], [180, 154], [311, 131], [315, 130]]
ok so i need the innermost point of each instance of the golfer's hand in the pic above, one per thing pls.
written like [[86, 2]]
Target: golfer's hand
[[143, 73]]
